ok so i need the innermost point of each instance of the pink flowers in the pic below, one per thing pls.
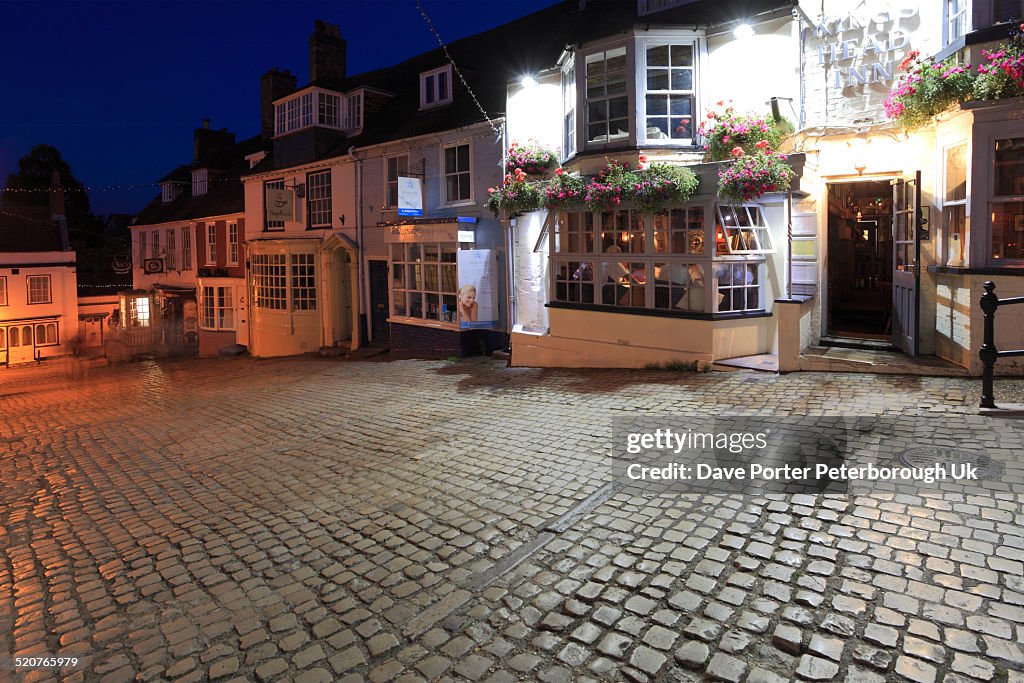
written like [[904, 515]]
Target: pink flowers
[[737, 151]]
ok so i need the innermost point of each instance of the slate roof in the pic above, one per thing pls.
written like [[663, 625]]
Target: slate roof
[[28, 228], [491, 59], [225, 193]]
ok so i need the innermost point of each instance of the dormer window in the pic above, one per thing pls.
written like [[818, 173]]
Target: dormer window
[[311, 107], [354, 111], [435, 87], [169, 192], [200, 182]]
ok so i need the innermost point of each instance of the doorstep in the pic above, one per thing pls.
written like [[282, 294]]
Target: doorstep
[[836, 359], [765, 362]]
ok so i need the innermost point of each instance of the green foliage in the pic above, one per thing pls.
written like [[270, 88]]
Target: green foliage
[[751, 175], [1002, 74], [726, 131], [516, 195], [663, 185]]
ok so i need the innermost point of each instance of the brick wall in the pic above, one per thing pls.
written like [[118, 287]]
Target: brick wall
[[433, 342]]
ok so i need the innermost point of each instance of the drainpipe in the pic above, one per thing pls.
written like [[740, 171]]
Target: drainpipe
[[361, 256], [789, 245]]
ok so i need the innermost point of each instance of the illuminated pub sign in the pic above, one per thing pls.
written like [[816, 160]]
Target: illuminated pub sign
[[861, 46]]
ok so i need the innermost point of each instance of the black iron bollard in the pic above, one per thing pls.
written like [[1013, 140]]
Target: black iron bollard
[[988, 352]]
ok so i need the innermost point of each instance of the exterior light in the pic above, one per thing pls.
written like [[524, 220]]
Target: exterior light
[[528, 81], [743, 31]]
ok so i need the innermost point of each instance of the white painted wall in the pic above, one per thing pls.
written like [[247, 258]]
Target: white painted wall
[[63, 293]]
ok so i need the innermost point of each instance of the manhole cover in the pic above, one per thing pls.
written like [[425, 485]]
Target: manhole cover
[[927, 456]]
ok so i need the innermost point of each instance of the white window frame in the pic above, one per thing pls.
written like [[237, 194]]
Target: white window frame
[[415, 287], [302, 281], [304, 109], [200, 182], [50, 333], [29, 279], [954, 11], [186, 248], [431, 94], [167, 193], [3, 290], [582, 103], [945, 204], [670, 39], [745, 238], [232, 231], [570, 108], [354, 111], [270, 281], [154, 248], [217, 310], [391, 183], [139, 316], [318, 199], [142, 248], [445, 199], [171, 248], [211, 244], [1002, 131], [328, 109]]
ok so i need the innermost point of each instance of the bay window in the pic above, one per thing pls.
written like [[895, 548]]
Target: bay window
[[954, 204], [569, 110], [632, 259]]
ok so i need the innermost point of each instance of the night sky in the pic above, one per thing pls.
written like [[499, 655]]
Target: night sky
[[118, 87]]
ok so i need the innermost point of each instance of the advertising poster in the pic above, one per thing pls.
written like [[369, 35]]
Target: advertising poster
[[478, 293]]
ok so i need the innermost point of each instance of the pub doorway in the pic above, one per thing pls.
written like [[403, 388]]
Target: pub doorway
[[860, 260]]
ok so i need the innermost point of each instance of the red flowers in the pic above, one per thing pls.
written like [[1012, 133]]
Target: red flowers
[[761, 144], [909, 59], [737, 151]]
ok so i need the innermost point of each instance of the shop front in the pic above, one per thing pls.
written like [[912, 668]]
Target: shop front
[[444, 290], [632, 288], [162, 320]]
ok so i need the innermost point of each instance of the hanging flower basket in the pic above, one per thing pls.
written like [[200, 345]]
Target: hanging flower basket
[[663, 185], [565, 192], [516, 195], [752, 175], [726, 129], [532, 159], [1002, 74]]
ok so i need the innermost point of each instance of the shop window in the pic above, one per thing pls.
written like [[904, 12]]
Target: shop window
[[954, 204], [138, 311], [396, 166], [1007, 202], [669, 92], [217, 311], [742, 230], [46, 334], [3, 291], [457, 177], [39, 289], [3, 337], [574, 233], [270, 281], [318, 191], [303, 282], [425, 281], [679, 231], [622, 232], [607, 97]]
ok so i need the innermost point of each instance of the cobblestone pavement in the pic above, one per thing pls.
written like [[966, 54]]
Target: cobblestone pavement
[[317, 520]]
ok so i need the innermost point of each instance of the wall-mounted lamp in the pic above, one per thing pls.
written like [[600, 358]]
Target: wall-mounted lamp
[[743, 31], [528, 81]]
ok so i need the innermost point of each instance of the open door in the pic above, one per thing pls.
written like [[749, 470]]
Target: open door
[[906, 259]]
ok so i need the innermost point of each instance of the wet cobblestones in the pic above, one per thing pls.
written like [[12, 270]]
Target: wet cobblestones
[[318, 520]]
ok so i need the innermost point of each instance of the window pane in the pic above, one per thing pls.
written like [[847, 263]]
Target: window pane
[[657, 79], [1009, 171], [657, 104], [1008, 230], [449, 160], [463, 157], [682, 55], [682, 79], [956, 173], [442, 86], [657, 55]]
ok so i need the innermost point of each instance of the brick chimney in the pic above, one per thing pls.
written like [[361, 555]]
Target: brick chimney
[[327, 55], [206, 142], [57, 209], [273, 86]]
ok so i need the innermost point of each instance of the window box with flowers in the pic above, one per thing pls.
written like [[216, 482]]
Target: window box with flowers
[[531, 158]]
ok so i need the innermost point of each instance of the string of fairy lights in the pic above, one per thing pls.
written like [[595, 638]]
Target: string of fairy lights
[[153, 185]]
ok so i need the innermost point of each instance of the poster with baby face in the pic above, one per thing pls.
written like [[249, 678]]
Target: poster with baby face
[[478, 295]]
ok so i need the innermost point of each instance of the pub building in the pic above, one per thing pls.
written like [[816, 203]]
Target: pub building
[[778, 281]]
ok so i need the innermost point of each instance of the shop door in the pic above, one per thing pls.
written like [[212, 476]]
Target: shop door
[[20, 348], [906, 259], [93, 332], [379, 300], [3, 345]]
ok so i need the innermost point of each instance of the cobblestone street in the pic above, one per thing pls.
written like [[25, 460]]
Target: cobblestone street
[[321, 520]]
